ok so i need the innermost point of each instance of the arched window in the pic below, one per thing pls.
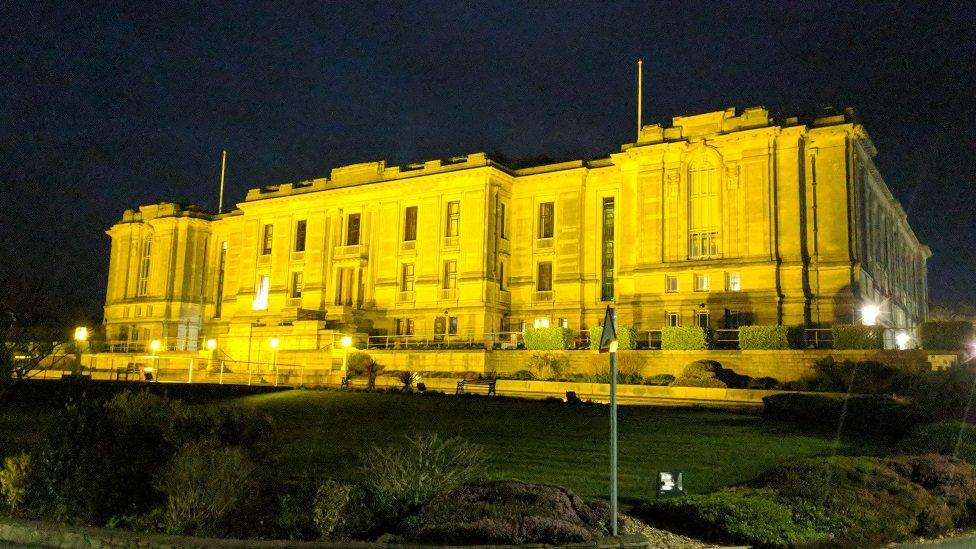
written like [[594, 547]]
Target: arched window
[[704, 216]]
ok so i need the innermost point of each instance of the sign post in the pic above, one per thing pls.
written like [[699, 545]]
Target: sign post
[[608, 344]]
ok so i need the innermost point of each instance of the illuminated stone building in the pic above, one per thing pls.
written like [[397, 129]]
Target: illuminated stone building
[[722, 219]]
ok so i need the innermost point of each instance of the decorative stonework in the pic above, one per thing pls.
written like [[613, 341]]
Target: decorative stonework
[[732, 175]]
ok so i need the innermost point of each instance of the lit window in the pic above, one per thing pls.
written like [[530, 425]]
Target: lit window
[[672, 318], [702, 283], [260, 302], [406, 277], [732, 282], [410, 224], [297, 284], [352, 230], [450, 274], [453, 219], [704, 217], [267, 240], [546, 219], [671, 284], [544, 280], [300, 236]]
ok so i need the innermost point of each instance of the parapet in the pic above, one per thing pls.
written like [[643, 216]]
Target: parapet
[[166, 209]]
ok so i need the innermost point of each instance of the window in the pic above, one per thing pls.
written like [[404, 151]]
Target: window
[[606, 286], [410, 224], [404, 326], [352, 230], [221, 265], [703, 212], [702, 283], [300, 236], [546, 219], [501, 220], [450, 274], [501, 275], [733, 318], [344, 286], [406, 277], [671, 284], [297, 284], [260, 302], [453, 219], [544, 278], [268, 238], [145, 267], [452, 325], [672, 318], [701, 319], [732, 282]]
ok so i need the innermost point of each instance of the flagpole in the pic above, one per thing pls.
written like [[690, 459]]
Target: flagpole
[[223, 169], [640, 96]]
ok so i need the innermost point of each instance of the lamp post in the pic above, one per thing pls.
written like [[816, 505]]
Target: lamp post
[[346, 342], [81, 336], [273, 344]]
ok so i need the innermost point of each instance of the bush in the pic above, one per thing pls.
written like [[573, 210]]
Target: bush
[[406, 378], [295, 517], [684, 338], [205, 486], [548, 365], [709, 374], [659, 379], [942, 438], [945, 394], [13, 481], [507, 512], [340, 511], [360, 363], [855, 336], [764, 383], [709, 383], [523, 374], [946, 335], [627, 338], [768, 337], [402, 477], [548, 339], [872, 415], [863, 377]]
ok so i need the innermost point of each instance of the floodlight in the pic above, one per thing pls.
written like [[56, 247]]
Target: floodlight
[[869, 314], [211, 344], [81, 334]]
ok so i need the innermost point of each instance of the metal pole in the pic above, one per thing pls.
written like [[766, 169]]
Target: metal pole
[[613, 437], [221, 380], [190, 379], [223, 169]]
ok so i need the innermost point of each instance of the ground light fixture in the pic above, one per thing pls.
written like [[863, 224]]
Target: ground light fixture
[[870, 313], [902, 339], [346, 341]]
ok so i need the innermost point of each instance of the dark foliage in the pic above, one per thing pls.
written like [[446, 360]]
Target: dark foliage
[[942, 438], [949, 335], [872, 415]]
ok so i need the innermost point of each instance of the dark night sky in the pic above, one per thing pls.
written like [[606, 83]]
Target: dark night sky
[[105, 109]]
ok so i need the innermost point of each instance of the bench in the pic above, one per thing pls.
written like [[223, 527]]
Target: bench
[[489, 383], [127, 370]]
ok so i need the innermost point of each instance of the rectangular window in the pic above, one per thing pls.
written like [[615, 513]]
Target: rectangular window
[[300, 236], [452, 325], [261, 293], [404, 326], [352, 230], [406, 277], [410, 224], [701, 319], [145, 267], [501, 221], [450, 274], [546, 210], [544, 278], [221, 265], [733, 318], [606, 286], [702, 283], [501, 275], [672, 318], [732, 282], [267, 239], [297, 284], [453, 219], [671, 284]]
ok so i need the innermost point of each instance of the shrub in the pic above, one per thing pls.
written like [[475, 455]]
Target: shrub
[[406, 379], [548, 365], [868, 377], [404, 476], [945, 394], [548, 339], [340, 511], [684, 338], [360, 363], [701, 369], [295, 517], [709, 383], [13, 480], [507, 512], [767, 337], [523, 374], [710, 374], [952, 335], [764, 383], [942, 438], [855, 336], [872, 415], [659, 379], [627, 337], [205, 485]]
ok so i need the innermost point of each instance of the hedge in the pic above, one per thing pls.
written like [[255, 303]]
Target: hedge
[[626, 337], [684, 338], [873, 415], [548, 339], [855, 336], [946, 335], [767, 337]]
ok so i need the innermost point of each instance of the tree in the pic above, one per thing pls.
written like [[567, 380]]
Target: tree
[[361, 364], [34, 323]]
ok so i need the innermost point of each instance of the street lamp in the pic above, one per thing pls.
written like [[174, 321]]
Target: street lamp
[[212, 344], [869, 314], [81, 336], [346, 342], [154, 346]]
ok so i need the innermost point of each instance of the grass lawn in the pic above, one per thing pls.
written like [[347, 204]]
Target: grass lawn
[[322, 432]]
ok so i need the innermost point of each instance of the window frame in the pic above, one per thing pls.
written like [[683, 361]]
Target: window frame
[[547, 220], [703, 282], [267, 239], [453, 219], [410, 224], [357, 216], [297, 284], [668, 279], [450, 275], [404, 279], [539, 287], [301, 234]]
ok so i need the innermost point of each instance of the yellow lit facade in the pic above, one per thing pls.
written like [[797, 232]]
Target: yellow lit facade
[[722, 219]]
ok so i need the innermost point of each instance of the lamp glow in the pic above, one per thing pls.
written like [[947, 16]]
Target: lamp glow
[[869, 314], [81, 334], [273, 343], [902, 339], [155, 345], [541, 323], [346, 341], [211, 344]]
